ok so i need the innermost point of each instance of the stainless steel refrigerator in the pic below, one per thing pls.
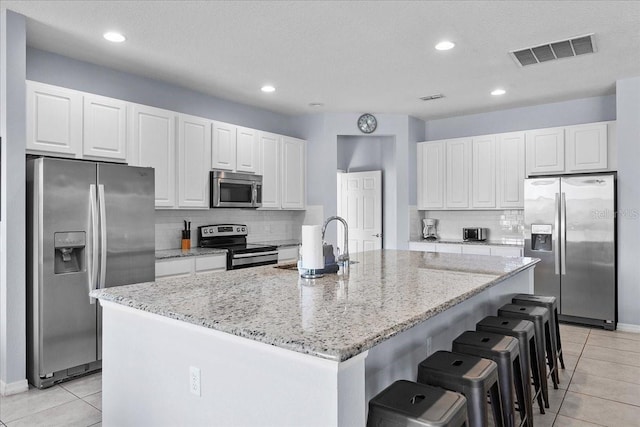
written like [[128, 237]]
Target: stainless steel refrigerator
[[89, 225], [570, 225]]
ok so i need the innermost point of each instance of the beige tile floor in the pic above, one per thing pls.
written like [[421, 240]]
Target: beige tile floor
[[599, 387]]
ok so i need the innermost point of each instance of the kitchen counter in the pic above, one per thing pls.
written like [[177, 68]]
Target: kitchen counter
[[502, 242], [179, 253], [271, 348], [280, 243]]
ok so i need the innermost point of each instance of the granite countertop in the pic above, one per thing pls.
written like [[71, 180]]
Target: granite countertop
[[179, 253], [502, 242], [280, 243], [335, 317]]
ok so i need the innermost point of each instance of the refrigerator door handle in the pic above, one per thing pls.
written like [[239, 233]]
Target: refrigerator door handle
[[556, 249], [93, 265], [563, 235], [103, 237]]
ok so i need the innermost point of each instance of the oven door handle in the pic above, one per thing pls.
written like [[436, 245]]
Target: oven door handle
[[254, 254]]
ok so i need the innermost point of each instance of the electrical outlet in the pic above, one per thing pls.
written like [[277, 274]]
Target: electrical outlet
[[194, 380]]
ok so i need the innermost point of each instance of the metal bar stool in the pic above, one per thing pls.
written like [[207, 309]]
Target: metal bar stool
[[503, 350], [405, 403], [540, 317], [550, 303], [524, 331], [470, 375]]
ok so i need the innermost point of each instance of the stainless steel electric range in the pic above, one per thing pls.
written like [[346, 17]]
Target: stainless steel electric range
[[233, 238]]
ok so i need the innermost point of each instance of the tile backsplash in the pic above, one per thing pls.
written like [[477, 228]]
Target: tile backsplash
[[263, 225], [504, 225]]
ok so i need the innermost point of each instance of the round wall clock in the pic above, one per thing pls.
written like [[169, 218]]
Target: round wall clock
[[367, 123]]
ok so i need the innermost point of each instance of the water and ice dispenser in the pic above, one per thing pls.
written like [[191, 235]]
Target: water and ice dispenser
[[69, 252], [541, 237]]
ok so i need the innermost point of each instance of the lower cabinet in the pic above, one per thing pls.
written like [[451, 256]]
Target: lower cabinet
[[287, 254], [188, 266], [478, 249]]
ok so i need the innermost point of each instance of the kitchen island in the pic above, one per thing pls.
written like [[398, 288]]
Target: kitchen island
[[271, 348]]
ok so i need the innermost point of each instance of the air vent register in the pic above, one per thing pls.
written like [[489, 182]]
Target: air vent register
[[555, 50]]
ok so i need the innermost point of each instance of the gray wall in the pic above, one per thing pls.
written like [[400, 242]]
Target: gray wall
[[47, 67], [628, 106], [12, 238], [577, 111]]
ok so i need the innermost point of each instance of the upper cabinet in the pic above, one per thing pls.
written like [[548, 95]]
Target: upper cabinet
[[283, 168], [458, 160], [69, 123], [235, 148], [510, 170], [570, 149], [153, 144], [431, 175], [194, 161], [483, 172], [54, 120]]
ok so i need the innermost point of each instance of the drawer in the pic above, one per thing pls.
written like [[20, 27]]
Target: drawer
[[476, 249], [504, 251], [422, 246], [447, 248], [174, 267], [211, 262], [289, 253]]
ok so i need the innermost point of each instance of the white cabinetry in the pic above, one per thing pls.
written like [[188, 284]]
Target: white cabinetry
[[431, 175], [287, 254], [505, 251], [283, 167], [105, 128], [235, 148], [483, 177], [474, 249], [54, 120], [153, 145], [190, 265], [457, 173], [194, 161], [510, 170], [293, 173], [422, 246], [545, 151], [586, 147]]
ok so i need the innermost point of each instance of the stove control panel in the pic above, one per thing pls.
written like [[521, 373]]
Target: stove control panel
[[222, 230]]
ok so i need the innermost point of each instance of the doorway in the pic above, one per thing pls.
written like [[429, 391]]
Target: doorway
[[360, 204]]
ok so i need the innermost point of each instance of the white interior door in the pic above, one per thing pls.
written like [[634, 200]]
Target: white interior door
[[360, 204]]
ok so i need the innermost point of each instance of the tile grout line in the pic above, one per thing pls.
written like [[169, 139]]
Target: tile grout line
[[570, 378], [47, 409]]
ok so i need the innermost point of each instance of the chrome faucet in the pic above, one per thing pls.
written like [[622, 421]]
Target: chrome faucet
[[344, 257]]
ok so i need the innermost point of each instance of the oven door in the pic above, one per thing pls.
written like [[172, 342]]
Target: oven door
[[232, 193], [252, 259]]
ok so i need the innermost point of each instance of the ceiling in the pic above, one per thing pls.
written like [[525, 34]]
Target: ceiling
[[351, 56]]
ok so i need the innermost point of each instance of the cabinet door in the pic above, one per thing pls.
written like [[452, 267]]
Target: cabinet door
[[476, 250], [293, 173], [247, 150], [457, 167], [154, 145], [422, 246], [194, 161], [174, 267], [54, 120], [105, 128], [448, 248], [223, 147], [505, 251], [545, 151], [586, 147], [270, 169], [510, 170], [430, 175], [483, 191], [288, 254]]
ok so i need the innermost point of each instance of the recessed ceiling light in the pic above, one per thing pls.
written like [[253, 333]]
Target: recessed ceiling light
[[268, 88], [498, 92], [316, 104], [114, 37], [445, 45]]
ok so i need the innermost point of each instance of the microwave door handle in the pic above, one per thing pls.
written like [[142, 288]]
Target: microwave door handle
[[103, 237], [93, 265], [254, 194]]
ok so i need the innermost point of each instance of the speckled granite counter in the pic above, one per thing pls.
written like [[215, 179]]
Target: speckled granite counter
[[178, 253], [385, 293], [506, 242], [280, 243]]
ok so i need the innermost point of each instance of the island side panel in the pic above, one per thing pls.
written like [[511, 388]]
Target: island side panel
[[398, 357], [146, 361]]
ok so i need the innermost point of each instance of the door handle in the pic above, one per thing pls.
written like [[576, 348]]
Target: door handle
[[556, 247], [563, 237], [103, 236], [377, 235], [93, 265]]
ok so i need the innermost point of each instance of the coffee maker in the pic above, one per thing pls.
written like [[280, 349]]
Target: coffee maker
[[429, 231]]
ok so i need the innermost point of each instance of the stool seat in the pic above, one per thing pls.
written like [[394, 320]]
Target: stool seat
[[551, 304], [470, 375], [503, 350], [406, 403]]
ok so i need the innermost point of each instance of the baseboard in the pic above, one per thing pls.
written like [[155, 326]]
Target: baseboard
[[628, 327], [13, 388]]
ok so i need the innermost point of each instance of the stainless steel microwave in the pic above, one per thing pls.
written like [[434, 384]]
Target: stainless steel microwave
[[234, 190], [474, 234]]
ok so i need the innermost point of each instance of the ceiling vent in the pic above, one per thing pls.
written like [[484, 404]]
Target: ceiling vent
[[431, 97], [555, 50]]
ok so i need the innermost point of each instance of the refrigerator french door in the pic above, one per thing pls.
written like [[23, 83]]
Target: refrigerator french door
[[90, 226], [570, 225]]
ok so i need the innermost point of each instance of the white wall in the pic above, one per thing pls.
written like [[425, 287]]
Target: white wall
[[12, 236], [628, 107]]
